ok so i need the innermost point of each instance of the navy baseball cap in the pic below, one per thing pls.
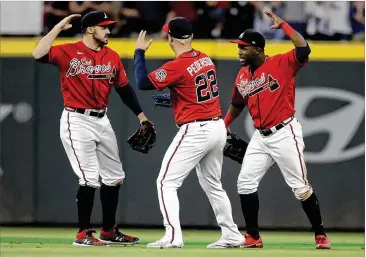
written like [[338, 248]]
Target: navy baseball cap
[[96, 18], [250, 37], [179, 27]]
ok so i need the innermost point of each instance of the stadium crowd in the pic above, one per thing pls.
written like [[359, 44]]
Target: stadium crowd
[[316, 20]]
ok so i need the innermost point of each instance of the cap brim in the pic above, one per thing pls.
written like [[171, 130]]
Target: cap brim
[[239, 42], [166, 28], [106, 23]]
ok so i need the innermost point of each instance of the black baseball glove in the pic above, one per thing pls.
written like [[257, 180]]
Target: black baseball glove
[[235, 147], [144, 138]]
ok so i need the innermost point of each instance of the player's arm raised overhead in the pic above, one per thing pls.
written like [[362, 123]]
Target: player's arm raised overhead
[[142, 80], [46, 42], [165, 76], [302, 47]]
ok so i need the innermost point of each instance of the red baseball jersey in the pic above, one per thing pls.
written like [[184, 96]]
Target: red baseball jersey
[[87, 76], [269, 92], [191, 78]]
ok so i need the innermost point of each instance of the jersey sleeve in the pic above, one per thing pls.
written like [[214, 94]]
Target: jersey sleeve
[[237, 99], [54, 56], [165, 76], [290, 61], [121, 76]]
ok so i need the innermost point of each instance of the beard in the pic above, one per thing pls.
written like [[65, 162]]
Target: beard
[[247, 60], [101, 42]]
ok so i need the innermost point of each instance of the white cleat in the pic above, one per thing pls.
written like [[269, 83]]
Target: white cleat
[[222, 243], [164, 244]]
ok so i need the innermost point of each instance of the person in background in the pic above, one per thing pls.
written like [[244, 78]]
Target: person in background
[[54, 12], [340, 22], [180, 9], [262, 23], [358, 20], [218, 14], [240, 13], [317, 15], [134, 16], [84, 7], [294, 14]]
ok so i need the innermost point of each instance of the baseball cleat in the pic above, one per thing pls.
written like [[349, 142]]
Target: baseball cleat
[[250, 242], [322, 242], [222, 243], [86, 238], [115, 237], [164, 244]]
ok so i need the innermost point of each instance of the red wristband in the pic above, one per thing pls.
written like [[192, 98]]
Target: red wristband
[[229, 119], [287, 29]]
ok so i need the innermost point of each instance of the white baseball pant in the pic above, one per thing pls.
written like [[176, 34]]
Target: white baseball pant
[[285, 147], [197, 145], [91, 146]]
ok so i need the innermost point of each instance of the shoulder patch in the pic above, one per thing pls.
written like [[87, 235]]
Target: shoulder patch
[[161, 75]]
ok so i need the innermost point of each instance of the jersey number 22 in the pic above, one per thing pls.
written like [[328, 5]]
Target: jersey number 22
[[206, 86]]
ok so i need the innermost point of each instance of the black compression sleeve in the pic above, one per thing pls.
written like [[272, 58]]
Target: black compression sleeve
[[302, 53], [129, 98]]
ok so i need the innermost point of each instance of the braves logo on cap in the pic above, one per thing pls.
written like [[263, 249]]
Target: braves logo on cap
[[250, 37]]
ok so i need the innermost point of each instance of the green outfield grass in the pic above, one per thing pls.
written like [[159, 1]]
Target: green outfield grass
[[56, 242]]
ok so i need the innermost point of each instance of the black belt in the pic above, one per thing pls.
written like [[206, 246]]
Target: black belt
[[268, 132], [198, 120], [88, 112]]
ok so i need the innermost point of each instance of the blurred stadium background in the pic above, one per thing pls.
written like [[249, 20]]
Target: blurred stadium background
[[38, 187]]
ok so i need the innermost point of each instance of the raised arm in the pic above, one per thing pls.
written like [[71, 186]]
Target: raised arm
[[46, 42], [302, 47], [142, 80]]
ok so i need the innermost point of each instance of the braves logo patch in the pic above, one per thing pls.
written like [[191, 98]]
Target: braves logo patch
[[161, 75]]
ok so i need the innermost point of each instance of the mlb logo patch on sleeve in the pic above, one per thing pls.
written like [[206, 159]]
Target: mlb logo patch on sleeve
[[161, 75]]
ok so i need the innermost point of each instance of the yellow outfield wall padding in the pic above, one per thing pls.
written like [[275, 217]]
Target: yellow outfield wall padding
[[218, 49]]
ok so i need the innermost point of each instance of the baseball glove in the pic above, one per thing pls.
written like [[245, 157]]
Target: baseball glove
[[144, 138], [162, 99], [235, 147]]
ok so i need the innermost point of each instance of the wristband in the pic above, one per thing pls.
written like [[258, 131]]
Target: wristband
[[229, 118], [287, 29]]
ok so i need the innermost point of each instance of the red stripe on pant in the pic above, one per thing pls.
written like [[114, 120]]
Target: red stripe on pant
[[298, 151], [72, 146], [161, 183]]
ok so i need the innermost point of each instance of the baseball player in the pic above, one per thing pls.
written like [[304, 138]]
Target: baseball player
[[266, 85], [191, 78], [88, 71]]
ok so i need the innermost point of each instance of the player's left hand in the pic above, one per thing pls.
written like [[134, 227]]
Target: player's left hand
[[235, 147], [144, 138], [276, 19], [140, 42]]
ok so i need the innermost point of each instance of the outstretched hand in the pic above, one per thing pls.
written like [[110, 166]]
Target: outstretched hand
[[65, 23], [140, 42], [275, 18]]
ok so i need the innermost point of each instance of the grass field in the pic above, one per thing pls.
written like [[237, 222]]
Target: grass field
[[56, 242]]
